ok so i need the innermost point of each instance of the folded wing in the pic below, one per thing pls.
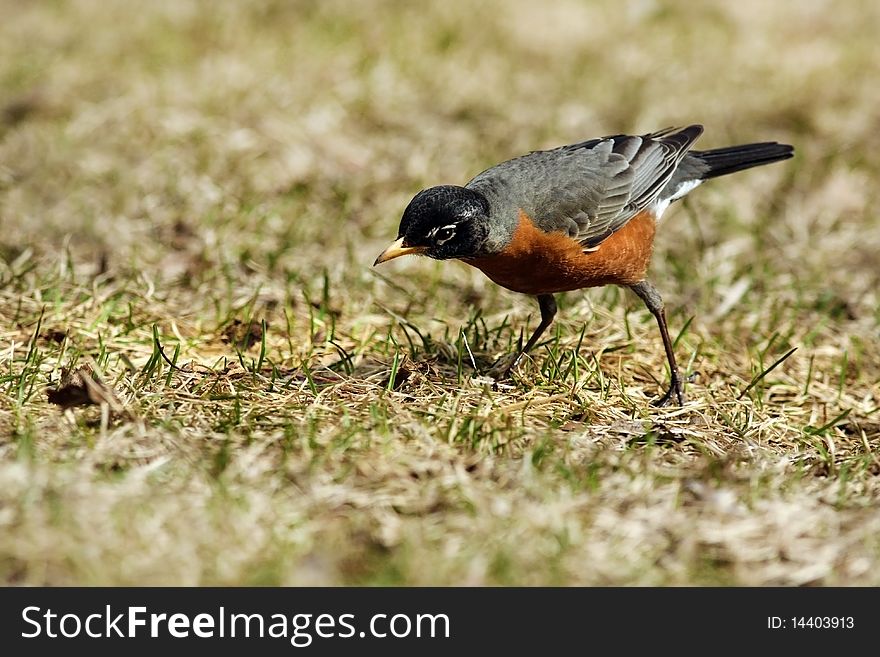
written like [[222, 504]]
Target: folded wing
[[592, 189]]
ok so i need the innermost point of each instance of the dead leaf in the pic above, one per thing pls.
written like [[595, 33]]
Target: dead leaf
[[55, 335], [82, 387], [400, 377], [243, 336]]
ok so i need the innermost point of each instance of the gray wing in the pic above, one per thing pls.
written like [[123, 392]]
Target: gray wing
[[590, 189]]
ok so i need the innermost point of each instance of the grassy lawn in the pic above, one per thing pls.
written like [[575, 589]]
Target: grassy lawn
[[191, 198]]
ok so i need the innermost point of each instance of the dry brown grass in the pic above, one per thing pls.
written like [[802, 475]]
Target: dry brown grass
[[191, 168]]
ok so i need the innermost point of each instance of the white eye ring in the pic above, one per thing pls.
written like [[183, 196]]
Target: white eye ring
[[444, 234]]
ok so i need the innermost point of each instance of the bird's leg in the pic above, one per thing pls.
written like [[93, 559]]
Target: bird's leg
[[547, 304], [649, 294], [548, 311]]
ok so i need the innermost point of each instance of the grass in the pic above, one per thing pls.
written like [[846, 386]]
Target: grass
[[192, 194]]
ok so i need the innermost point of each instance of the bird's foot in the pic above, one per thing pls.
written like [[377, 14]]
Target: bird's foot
[[675, 391], [502, 367]]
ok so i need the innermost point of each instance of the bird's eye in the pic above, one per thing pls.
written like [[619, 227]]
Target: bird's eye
[[444, 234]]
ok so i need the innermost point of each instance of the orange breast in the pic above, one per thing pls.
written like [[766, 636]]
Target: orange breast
[[536, 262]]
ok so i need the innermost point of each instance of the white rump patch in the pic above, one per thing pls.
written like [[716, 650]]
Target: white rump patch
[[682, 190]]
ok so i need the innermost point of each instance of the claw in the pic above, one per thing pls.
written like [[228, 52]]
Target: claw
[[674, 389], [501, 368]]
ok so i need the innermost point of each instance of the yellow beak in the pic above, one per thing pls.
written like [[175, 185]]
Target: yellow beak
[[398, 249]]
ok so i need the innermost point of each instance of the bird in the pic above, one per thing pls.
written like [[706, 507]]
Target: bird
[[577, 216]]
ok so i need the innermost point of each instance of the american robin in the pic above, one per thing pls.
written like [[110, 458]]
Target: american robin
[[573, 217]]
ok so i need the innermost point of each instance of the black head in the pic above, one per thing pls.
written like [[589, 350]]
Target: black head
[[442, 222]]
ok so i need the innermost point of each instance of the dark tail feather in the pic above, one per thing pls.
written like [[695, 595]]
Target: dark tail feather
[[722, 161]]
